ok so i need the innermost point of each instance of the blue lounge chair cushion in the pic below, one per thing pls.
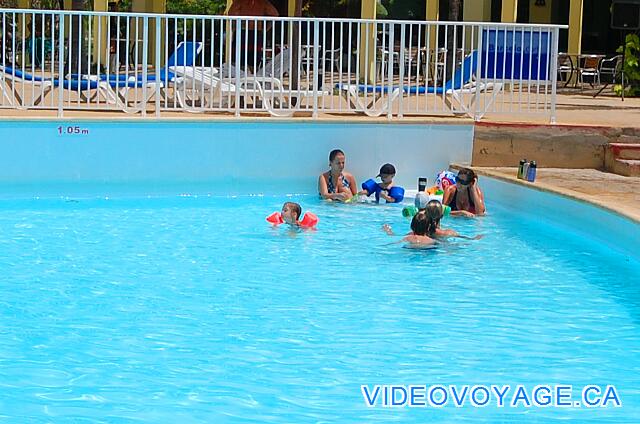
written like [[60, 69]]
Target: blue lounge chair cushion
[[462, 76]]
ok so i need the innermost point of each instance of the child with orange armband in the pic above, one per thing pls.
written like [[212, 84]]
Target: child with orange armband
[[291, 215]]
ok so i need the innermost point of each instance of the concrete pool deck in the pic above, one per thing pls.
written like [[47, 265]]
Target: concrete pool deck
[[573, 109]]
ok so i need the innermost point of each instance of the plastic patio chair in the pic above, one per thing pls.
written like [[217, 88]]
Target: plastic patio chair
[[609, 69], [590, 68], [565, 68]]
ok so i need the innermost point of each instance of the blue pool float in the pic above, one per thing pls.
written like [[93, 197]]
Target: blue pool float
[[397, 193]]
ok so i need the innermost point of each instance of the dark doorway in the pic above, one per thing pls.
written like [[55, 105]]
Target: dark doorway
[[522, 16], [597, 35]]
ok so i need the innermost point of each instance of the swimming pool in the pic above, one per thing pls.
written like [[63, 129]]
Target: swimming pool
[[141, 282], [190, 308]]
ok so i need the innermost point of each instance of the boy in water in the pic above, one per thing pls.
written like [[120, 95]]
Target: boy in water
[[385, 189], [291, 212], [291, 215]]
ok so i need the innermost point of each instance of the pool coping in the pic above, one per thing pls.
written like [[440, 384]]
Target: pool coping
[[247, 118], [549, 188]]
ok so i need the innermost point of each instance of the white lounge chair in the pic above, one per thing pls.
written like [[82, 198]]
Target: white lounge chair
[[207, 88], [459, 93]]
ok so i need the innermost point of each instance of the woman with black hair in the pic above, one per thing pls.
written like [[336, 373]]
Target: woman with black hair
[[465, 197]]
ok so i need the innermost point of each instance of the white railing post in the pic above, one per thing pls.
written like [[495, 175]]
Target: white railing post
[[390, 74], [157, 44], [554, 73], [480, 96], [400, 70], [145, 61], [237, 65], [61, 66], [316, 61]]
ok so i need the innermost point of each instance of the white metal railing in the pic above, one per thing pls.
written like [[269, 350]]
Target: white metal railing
[[67, 60]]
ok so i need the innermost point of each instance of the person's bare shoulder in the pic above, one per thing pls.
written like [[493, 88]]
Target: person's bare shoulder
[[415, 239]]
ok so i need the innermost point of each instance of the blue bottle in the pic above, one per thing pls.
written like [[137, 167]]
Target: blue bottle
[[531, 172]]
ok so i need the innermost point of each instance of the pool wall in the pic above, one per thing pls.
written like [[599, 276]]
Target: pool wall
[[130, 152], [615, 231]]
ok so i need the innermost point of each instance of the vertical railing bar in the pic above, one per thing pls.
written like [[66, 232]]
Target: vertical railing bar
[[538, 80], [366, 62], [53, 51], [100, 47], [90, 45], [401, 63], [480, 81], [530, 69], [61, 67], [392, 43], [464, 76], [237, 74], [22, 23], [418, 67], [254, 59], [43, 58], [521, 82], [108, 64], [79, 16], [428, 59], [554, 74], [145, 61], [158, 58], [513, 65], [316, 53], [504, 64], [4, 56]]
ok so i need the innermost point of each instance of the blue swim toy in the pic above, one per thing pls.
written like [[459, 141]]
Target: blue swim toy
[[397, 193]]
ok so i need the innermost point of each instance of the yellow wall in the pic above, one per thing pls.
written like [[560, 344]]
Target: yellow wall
[[433, 14], [575, 27], [477, 11], [367, 39], [291, 7], [149, 6], [100, 6], [510, 10]]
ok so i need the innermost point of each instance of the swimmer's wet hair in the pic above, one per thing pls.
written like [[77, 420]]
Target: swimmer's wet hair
[[295, 207], [334, 153], [467, 175], [419, 224], [434, 212]]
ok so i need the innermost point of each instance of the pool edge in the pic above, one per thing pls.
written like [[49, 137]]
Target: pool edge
[[547, 188]]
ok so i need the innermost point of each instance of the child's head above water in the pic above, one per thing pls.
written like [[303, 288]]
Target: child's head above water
[[291, 212], [434, 210], [419, 224], [387, 172], [426, 221]]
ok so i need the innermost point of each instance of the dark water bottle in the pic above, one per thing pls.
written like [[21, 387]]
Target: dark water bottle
[[531, 172], [525, 170], [521, 169]]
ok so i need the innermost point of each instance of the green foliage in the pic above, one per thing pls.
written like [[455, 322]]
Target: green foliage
[[196, 7], [406, 9], [186, 7], [631, 66]]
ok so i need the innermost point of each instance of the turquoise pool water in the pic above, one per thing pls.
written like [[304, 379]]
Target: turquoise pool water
[[190, 308]]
